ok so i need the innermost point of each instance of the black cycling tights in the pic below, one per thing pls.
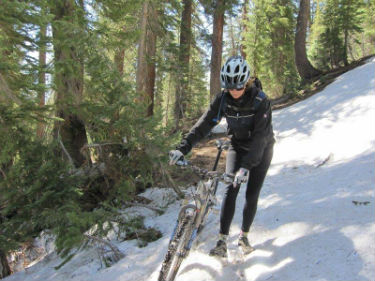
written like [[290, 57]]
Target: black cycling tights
[[257, 175]]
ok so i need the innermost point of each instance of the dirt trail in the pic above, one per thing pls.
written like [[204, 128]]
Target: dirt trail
[[204, 155]]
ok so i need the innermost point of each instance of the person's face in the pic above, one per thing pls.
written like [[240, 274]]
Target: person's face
[[236, 94]]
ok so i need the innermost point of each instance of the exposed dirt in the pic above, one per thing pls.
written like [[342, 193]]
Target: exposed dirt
[[204, 155]]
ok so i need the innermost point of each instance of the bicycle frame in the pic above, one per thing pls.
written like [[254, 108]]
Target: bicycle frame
[[204, 199], [202, 190]]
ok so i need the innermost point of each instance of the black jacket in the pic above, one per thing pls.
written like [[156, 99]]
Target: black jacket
[[249, 121]]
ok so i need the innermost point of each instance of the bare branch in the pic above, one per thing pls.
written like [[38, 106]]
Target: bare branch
[[65, 151]]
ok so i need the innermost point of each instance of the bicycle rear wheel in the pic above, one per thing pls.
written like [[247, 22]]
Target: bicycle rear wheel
[[177, 249]]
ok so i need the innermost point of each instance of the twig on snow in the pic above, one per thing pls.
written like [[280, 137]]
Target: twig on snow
[[325, 160]]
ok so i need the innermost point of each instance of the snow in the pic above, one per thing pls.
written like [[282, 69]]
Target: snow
[[312, 221]]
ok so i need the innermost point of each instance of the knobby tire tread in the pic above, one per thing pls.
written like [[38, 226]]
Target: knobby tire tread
[[172, 248]]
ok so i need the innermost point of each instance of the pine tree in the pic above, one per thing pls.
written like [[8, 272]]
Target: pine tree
[[316, 51], [271, 24], [217, 47], [68, 28], [88, 85], [182, 82], [367, 41], [145, 79], [341, 20], [305, 69], [351, 22]]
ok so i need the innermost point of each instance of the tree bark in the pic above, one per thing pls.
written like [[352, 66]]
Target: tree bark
[[244, 27], [68, 78], [141, 60], [304, 67], [217, 47], [42, 76], [183, 62], [145, 77], [4, 266], [151, 53]]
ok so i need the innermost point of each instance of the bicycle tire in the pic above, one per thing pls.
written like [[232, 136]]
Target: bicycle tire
[[182, 251], [173, 258]]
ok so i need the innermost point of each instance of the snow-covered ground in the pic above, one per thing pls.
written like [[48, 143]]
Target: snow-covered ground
[[315, 218]]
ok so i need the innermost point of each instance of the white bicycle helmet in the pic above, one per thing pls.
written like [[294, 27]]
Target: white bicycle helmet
[[234, 73]]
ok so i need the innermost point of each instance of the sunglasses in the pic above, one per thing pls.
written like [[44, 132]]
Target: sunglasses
[[236, 89]]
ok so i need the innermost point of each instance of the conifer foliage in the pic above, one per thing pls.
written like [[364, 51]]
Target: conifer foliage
[[94, 93]]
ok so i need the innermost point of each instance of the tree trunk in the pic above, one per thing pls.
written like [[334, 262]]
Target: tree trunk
[[42, 76], [141, 60], [244, 27], [183, 63], [145, 77], [217, 47], [151, 52], [68, 78], [304, 67], [346, 46], [4, 266]]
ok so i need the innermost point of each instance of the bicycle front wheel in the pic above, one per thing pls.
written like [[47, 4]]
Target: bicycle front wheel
[[177, 249]]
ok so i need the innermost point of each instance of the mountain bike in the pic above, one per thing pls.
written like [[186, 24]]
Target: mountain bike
[[191, 217]]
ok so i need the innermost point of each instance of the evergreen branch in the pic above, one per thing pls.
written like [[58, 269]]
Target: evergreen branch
[[5, 88]]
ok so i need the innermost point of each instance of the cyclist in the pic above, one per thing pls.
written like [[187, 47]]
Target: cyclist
[[249, 117]]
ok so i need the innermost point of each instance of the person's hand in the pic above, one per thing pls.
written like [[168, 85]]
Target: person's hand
[[174, 156], [241, 176]]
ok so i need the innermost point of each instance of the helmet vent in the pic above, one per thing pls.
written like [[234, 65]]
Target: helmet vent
[[235, 78], [244, 69], [228, 68], [237, 69]]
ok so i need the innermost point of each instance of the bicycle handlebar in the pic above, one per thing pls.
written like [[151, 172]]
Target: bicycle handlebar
[[221, 145], [204, 173]]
